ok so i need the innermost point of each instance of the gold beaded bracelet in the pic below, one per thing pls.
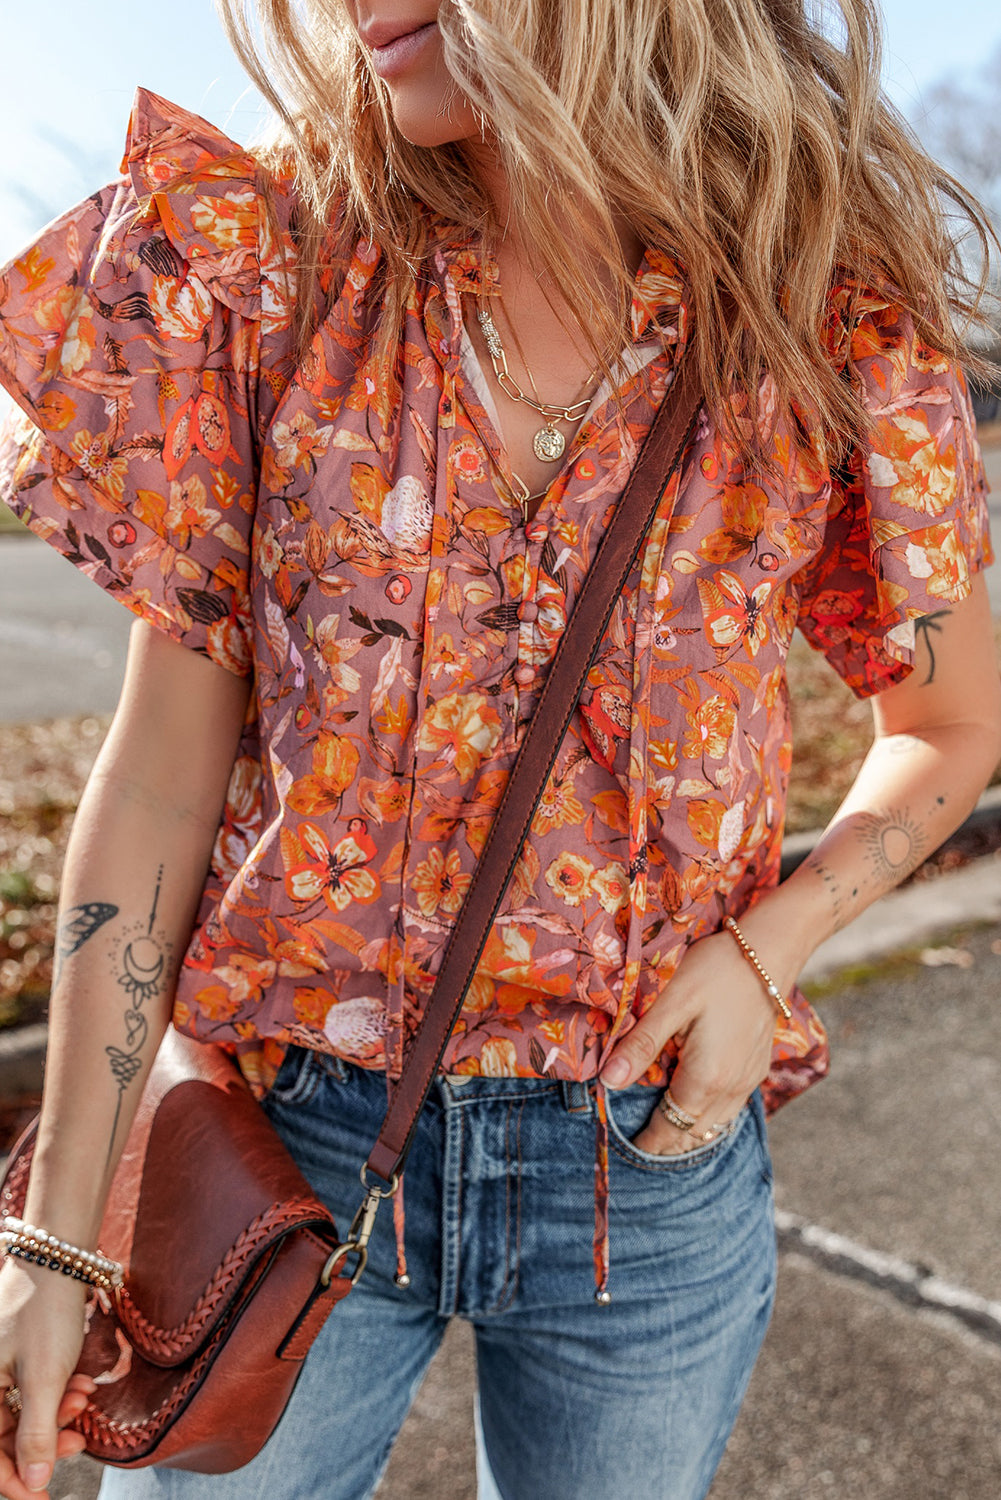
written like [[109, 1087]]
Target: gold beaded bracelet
[[50, 1257], [78, 1271], [27, 1242], [771, 988]]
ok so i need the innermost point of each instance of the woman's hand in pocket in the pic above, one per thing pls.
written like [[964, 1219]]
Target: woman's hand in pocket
[[716, 1008]]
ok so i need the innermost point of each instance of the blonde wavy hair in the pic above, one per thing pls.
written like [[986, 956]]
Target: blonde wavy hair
[[747, 138]]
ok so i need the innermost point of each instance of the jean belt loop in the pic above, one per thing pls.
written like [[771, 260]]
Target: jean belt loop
[[576, 1097]]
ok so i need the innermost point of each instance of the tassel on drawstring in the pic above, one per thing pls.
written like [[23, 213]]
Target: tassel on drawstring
[[602, 1254], [644, 617], [402, 1277]]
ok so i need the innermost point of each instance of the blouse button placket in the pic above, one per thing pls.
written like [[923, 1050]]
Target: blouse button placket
[[525, 673]]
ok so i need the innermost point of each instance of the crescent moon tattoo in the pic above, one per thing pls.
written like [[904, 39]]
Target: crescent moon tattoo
[[143, 964], [143, 969]]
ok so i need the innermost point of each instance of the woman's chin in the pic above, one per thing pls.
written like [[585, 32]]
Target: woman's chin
[[427, 120]]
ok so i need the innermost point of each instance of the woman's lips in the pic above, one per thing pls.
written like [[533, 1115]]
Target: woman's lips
[[393, 58]]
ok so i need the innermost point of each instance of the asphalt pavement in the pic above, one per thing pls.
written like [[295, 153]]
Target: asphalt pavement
[[62, 640], [881, 1374]]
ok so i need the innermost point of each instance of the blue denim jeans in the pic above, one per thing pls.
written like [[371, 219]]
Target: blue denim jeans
[[576, 1401]]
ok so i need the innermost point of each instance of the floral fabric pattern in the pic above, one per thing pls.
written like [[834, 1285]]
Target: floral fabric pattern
[[347, 533]]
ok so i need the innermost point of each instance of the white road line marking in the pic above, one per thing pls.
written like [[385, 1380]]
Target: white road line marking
[[909, 1283]]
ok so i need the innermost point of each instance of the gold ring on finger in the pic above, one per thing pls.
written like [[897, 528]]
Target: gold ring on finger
[[12, 1400], [673, 1113]]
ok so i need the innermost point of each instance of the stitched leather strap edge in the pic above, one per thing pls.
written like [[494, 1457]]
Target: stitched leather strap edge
[[672, 429]]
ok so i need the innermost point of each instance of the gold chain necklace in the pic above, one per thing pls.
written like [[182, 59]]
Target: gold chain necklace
[[548, 443]]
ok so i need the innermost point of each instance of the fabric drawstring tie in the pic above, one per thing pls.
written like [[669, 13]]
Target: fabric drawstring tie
[[602, 1252], [402, 1277], [601, 1243]]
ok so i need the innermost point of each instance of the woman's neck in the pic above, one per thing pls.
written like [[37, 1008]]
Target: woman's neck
[[515, 242]]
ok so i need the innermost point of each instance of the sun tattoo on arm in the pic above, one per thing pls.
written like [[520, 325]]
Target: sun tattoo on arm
[[895, 843], [143, 968]]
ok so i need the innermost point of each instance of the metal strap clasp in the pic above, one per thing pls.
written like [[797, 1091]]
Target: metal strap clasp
[[360, 1232]]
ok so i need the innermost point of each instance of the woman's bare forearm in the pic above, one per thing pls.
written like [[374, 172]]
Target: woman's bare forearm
[[910, 794], [134, 871], [936, 746], [132, 878]]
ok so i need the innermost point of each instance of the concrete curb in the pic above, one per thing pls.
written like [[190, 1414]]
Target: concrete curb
[[913, 917]]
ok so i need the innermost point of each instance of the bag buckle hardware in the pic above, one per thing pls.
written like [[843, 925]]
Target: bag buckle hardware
[[360, 1232]]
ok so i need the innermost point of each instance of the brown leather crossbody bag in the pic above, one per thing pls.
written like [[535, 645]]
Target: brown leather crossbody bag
[[232, 1262]]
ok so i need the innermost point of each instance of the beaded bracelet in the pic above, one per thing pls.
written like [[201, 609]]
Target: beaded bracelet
[[771, 988], [31, 1243], [24, 1247], [77, 1272], [28, 1236]]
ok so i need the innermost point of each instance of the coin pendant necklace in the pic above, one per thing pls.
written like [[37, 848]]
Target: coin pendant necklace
[[548, 443]]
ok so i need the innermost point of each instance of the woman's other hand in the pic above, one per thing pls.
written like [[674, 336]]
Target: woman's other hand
[[41, 1334], [717, 1009]]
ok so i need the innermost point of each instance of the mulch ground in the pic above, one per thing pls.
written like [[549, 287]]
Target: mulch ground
[[43, 768]]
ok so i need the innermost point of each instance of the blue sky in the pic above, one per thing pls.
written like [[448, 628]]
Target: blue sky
[[72, 68]]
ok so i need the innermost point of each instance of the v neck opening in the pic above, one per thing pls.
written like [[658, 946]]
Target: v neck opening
[[631, 361]]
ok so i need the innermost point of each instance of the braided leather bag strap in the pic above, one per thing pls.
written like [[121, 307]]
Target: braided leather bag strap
[[658, 459]]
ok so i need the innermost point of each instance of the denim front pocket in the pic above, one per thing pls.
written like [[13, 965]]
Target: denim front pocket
[[628, 1112]]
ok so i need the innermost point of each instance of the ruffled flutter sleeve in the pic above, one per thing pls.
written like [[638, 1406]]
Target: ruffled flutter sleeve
[[908, 523], [140, 337]]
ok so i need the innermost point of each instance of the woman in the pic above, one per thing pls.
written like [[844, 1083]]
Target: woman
[[343, 432]]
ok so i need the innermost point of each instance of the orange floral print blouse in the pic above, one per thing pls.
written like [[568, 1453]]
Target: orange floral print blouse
[[345, 532]]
